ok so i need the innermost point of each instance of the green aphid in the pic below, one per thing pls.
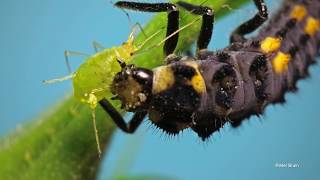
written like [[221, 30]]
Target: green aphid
[[92, 79]]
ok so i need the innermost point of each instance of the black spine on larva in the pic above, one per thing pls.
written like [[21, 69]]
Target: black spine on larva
[[240, 79]]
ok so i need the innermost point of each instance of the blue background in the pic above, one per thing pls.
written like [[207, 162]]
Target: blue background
[[33, 37]]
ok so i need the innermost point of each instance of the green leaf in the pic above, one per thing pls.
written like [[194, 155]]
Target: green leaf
[[61, 144]]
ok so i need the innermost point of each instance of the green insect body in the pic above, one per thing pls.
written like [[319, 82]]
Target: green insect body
[[92, 79]]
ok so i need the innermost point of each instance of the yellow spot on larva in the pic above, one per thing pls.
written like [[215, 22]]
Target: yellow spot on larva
[[298, 12], [163, 78], [312, 26], [280, 62], [197, 81], [270, 44]]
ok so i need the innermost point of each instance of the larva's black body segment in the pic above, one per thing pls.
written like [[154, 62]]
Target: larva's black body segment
[[207, 91], [303, 53], [251, 81]]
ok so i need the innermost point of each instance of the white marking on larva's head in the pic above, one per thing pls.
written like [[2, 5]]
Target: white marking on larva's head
[[143, 74]]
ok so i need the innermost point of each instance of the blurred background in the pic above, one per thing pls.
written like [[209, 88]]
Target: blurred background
[[33, 37]]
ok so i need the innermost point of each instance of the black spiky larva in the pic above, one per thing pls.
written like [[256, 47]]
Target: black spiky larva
[[213, 88]]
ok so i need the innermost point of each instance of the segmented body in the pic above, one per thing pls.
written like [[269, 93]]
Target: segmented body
[[240, 80], [229, 85]]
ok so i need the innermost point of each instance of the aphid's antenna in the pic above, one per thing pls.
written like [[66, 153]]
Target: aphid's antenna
[[180, 29], [177, 31], [50, 81], [93, 113], [139, 47], [148, 39], [130, 22]]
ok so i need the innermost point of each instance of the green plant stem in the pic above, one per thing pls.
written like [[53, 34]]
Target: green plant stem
[[61, 144]]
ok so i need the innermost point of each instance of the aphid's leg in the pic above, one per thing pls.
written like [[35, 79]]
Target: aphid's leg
[[50, 81], [96, 134], [141, 29], [70, 74], [133, 31], [252, 24], [136, 24], [117, 118], [173, 19], [97, 46], [207, 22], [67, 54]]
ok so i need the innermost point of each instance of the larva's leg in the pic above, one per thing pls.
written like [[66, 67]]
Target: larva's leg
[[117, 118], [67, 54], [173, 19], [252, 24], [207, 22]]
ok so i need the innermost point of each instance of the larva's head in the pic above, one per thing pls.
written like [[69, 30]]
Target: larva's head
[[133, 87]]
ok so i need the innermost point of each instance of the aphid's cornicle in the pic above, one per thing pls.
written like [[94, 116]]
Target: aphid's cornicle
[[229, 85]]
